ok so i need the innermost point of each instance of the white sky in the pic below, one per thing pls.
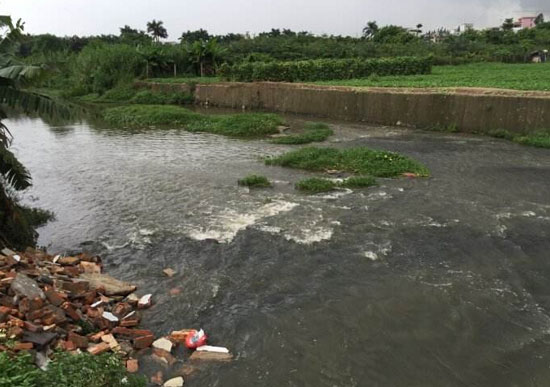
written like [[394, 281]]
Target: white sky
[[345, 17]]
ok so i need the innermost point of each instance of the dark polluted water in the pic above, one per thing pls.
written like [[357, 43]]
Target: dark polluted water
[[417, 282]]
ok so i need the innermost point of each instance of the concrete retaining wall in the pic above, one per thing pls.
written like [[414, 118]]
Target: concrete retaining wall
[[468, 111]]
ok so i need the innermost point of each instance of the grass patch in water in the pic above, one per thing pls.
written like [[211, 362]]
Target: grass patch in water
[[255, 181], [244, 125], [359, 160], [317, 185], [540, 139], [313, 132]]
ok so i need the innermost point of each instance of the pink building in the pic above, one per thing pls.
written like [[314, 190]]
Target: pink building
[[527, 22]]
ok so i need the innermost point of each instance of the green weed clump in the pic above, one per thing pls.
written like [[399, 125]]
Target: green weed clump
[[316, 185], [313, 132], [255, 181], [67, 370], [249, 125], [540, 139], [359, 160]]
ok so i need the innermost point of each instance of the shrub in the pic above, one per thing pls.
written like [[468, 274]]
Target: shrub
[[325, 69], [255, 181], [99, 68]]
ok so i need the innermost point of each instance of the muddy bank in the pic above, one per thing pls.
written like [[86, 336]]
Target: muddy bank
[[468, 110]]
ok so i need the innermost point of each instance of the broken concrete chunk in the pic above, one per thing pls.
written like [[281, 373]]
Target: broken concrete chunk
[[39, 339], [109, 317], [169, 272], [175, 382], [112, 286], [164, 344], [7, 252], [210, 348], [145, 301], [210, 356], [24, 286]]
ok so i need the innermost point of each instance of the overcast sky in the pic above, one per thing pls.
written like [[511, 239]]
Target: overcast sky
[[345, 17]]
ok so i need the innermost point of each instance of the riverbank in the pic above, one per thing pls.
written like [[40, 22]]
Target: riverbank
[[52, 305], [480, 111]]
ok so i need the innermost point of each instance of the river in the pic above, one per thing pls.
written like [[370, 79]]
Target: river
[[442, 281]]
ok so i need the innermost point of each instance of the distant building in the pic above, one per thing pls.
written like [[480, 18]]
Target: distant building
[[463, 28], [526, 22]]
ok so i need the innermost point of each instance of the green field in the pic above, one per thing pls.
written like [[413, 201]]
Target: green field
[[532, 76]]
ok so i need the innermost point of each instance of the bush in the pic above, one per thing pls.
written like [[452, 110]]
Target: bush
[[99, 68], [325, 69], [255, 181]]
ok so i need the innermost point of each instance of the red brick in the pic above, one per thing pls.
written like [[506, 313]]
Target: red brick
[[132, 365], [132, 332], [23, 346], [71, 311], [96, 337], [54, 297], [79, 341], [98, 349], [129, 323], [68, 345], [143, 341]]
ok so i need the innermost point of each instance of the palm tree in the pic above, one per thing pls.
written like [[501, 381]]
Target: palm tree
[[14, 228], [157, 30], [370, 30]]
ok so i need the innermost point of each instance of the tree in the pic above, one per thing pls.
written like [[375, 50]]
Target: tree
[[370, 30], [205, 55], [16, 228], [539, 19], [508, 24], [193, 36], [157, 30], [133, 36]]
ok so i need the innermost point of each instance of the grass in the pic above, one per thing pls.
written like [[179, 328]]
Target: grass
[[540, 139], [188, 80], [359, 160], [313, 132], [255, 181], [128, 94], [317, 185], [245, 125], [530, 76], [67, 370]]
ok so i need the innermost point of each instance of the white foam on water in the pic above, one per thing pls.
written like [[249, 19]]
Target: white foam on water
[[308, 236], [269, 229], [336, 194], [371, 255], [224, 226]]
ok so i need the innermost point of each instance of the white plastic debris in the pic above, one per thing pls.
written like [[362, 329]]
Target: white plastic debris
[[110, 317], [145, 301], [164, 344], [211, 348], [96, 304], [17, 258]]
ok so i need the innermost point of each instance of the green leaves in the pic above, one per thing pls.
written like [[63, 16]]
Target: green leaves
[[13, 172], [325, 69]]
